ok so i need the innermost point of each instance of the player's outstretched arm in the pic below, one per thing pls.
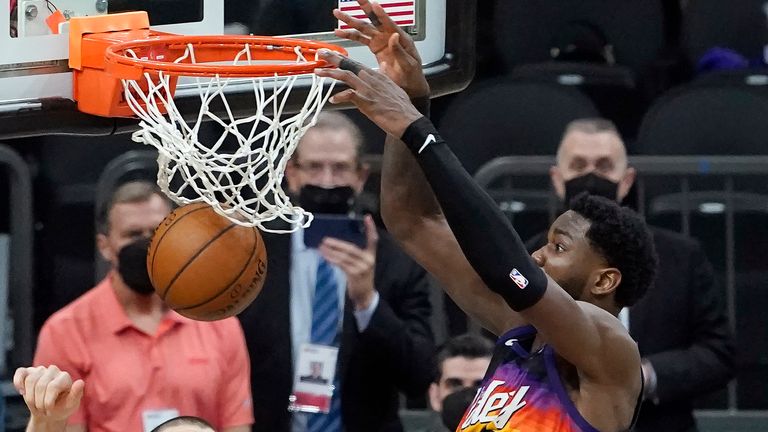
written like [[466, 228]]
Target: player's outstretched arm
[[588, 338], [50, 395], [408, 205]]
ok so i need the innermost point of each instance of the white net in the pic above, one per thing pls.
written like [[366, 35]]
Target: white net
[[239, 174]]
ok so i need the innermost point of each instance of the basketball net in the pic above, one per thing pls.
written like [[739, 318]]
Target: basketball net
[[244, 183]]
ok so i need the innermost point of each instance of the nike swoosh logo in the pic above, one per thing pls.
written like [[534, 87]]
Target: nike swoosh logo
[[510, 342], [430, 139]]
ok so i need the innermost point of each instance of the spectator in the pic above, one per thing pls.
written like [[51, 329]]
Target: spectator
[[381, 309], [680, 325], [461, 365], [144, 362]]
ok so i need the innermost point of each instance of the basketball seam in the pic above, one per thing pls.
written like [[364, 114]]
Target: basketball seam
[[242, 270], [157, 246], [193, 257]]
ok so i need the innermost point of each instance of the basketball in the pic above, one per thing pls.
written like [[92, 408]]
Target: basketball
[[204, 266]]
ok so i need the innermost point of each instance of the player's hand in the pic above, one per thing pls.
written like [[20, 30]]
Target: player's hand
[[373, 93], [394, 49], [358, 264], [49, 393]]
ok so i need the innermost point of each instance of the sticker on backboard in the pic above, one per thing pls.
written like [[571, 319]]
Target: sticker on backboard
[[402, 12]]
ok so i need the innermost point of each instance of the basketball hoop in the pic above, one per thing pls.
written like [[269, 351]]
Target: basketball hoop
[[142, 67]]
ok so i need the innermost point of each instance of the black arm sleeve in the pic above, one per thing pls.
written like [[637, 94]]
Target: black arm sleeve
[[487, 238]]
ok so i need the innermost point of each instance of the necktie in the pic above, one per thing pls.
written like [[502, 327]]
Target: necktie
[[325, 324]]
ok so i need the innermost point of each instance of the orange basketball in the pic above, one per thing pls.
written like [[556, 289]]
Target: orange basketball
[[204, 266]]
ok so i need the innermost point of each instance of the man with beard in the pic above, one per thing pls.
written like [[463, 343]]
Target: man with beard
[[366, 304], [144, 363], [680, 325]]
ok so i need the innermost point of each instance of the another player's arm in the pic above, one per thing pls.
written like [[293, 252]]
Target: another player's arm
[[409, 208], [580, 334], [51, 397]]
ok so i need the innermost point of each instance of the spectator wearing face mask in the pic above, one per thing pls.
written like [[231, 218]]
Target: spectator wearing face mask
[[680, 324], [462, 362], [144, 363]]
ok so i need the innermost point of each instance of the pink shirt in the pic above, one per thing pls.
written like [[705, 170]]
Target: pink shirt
[[197, 368]]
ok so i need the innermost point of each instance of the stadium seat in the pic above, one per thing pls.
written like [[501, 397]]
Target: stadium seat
[[706, 120], [739, 25], [613, 89], [526, 30], [501, 117]]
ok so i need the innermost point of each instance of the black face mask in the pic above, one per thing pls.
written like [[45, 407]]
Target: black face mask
[[132, 266], [455, 405], [592, 184], [336, 200]]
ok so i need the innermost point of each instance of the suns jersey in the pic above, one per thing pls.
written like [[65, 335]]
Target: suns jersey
[[523, 392]]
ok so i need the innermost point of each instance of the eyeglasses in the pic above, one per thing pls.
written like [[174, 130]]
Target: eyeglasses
[[337, 169]]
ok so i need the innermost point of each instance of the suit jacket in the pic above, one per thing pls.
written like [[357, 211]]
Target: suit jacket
[[393, 354], [681, 327]]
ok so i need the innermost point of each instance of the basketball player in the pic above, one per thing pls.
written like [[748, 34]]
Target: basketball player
[[563, 362], [52, 397]]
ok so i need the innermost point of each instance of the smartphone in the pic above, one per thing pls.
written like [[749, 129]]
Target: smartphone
[[342, 227]]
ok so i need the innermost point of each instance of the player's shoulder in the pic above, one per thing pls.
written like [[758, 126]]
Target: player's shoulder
[[616, 340]]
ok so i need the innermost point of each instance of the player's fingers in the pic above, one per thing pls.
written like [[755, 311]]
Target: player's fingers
[[41, 387], [385, 22], [19, 377], [60, 384], [353, 35], [344, 97], [76, 394], [360, 25]]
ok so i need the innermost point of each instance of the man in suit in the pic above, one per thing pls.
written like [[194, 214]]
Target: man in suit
[[680, 325], [385, 341]]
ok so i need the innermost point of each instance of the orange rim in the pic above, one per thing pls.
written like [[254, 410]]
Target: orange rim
[[159, 53]]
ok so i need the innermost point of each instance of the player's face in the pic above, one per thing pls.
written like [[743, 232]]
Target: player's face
[[326, 158], [600, 153], [457, 373], [568, 257], [131, 221]]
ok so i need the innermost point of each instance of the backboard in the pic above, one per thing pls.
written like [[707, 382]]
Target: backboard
[[36, 82]]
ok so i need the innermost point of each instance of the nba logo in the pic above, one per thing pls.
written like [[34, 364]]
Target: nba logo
[[518, 278]]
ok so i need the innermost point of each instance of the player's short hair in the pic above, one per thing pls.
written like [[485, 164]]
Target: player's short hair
[[467, 346], [183, 421], [137, 191], [621, 236], [334, 120]]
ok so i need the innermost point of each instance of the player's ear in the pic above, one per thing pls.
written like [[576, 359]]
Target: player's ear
[[606, 281]]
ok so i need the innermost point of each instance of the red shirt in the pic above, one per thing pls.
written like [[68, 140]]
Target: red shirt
[[197, 368]]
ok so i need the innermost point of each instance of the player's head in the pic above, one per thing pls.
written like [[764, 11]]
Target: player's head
[[592, 158], [126, 222], [461, 363], [185, 424], [328, 155], [600, 252]]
